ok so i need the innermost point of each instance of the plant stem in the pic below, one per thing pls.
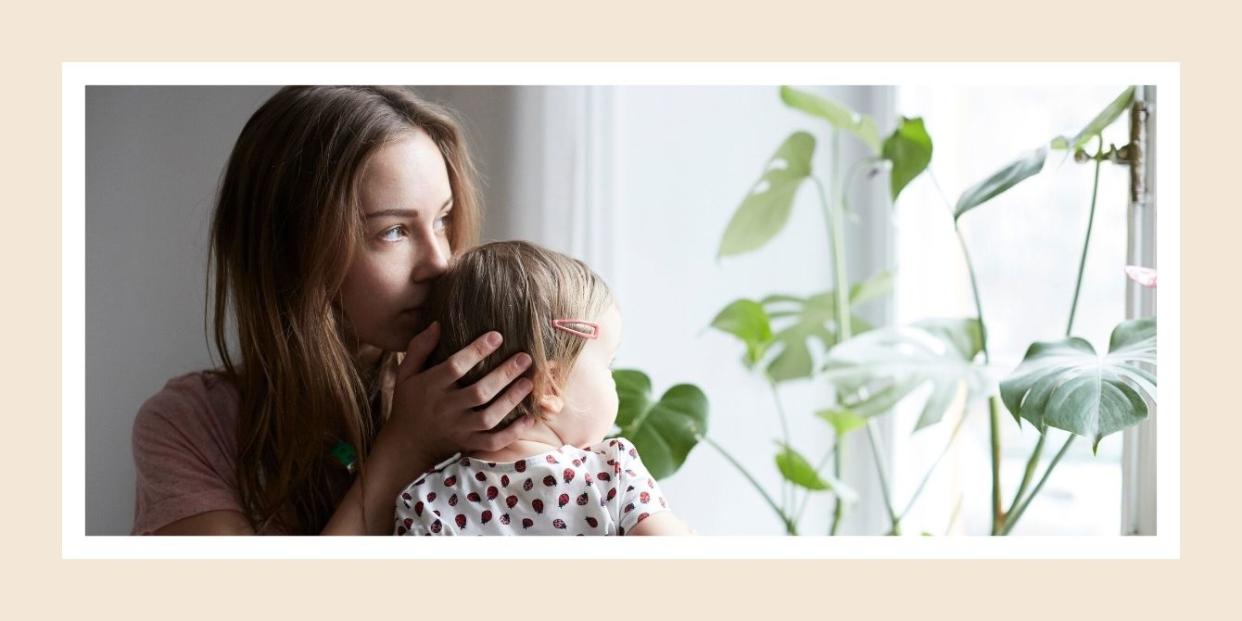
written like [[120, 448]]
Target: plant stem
[[1033, 461], [1086, 243], [786, 486], [926, 477], [823, 461], [974, 290], [835, 218], [790, 527], [1031, 464], [837, 230], [879, 468], [838, 505], [1017, 513], [998, 514]]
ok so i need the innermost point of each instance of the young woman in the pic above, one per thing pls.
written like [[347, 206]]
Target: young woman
[[338, 208]]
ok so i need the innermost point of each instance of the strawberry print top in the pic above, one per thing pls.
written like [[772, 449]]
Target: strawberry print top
[[601, 490]]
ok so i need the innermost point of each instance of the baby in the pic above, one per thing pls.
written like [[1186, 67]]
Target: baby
[[562, 477]]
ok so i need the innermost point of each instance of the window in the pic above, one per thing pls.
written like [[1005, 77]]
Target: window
[[1025, 246]]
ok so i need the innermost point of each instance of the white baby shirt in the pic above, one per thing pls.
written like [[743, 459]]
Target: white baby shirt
[[602, 490]]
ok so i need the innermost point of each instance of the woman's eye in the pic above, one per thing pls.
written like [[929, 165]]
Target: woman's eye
[[387, 235], [443, 221]]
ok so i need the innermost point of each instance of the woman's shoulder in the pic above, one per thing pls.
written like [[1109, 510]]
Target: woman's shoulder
[[196, 404], [185, 450]]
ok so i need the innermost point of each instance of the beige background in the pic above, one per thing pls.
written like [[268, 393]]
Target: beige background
[[38, 584]]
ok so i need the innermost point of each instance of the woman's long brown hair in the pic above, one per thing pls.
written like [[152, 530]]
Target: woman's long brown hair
[[286, 227]]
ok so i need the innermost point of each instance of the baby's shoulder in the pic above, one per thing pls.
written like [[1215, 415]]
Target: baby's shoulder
[[618, 446], [618, 453]]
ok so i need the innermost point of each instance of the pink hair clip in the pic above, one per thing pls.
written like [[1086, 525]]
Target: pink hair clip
[[575, 327]]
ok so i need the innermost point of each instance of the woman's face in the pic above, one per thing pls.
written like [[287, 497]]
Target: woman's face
[[406, 199]]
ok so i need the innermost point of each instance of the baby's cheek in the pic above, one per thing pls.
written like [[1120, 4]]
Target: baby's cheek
[[614, 403]]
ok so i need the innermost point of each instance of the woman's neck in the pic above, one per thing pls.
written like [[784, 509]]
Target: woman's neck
[[367, 356]]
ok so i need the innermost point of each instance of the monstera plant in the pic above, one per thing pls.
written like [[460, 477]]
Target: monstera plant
[[1063, 384], [665, 429]]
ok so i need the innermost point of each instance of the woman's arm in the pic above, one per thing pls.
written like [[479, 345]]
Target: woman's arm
[[367, 508], [210, 523], [384, 481]]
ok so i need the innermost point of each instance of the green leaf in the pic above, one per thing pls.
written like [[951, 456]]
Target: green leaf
[[909, 148], [1097, 125], [797, 470], [965, 335], [1000, 181], [875, 371], [633, 395], [765, 210], [749, 322], [1064, 384], [795, 360], [839, 116], [875, 287], [663, 431], [842, 421], [811, 319]]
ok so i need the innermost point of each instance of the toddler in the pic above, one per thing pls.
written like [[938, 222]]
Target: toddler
[[562, 477]]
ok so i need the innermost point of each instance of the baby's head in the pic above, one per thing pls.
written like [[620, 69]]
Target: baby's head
[[548, 305]]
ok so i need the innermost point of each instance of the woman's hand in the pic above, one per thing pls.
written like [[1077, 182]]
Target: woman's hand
[[437, 418], [431, 419]]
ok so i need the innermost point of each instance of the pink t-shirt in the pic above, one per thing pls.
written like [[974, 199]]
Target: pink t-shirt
[[185, 451]]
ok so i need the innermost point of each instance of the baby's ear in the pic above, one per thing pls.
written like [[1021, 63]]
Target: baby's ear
[[551, 404], [549, 400]]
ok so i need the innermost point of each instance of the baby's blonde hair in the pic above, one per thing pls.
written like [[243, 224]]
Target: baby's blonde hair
[[516, 288]]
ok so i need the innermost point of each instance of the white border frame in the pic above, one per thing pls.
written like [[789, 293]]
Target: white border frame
[[77, 75]]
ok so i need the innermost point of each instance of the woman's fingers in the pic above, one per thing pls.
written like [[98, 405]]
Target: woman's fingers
[[461, 362], [496, 440], [490, 385], [417, 351], [487, 418]]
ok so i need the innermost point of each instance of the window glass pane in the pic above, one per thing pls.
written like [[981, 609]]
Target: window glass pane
[[1026, 246]]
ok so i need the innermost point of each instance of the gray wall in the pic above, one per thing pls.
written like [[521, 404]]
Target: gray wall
[[153, 158]]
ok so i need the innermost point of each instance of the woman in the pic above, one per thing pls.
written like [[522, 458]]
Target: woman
[[338, 208]]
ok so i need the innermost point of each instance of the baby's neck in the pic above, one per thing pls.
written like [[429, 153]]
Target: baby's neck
[[539, 439]]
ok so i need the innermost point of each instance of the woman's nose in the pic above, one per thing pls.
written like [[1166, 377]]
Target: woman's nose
[[433, 261]]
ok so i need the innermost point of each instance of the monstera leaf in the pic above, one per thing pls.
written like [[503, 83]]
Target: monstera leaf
[[839, 116], [663, 431], [1065, 384], [749, 322], [1014, 173], [875, 371], [1098, 124], [766, 208], [785, 353], [813, 319]]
